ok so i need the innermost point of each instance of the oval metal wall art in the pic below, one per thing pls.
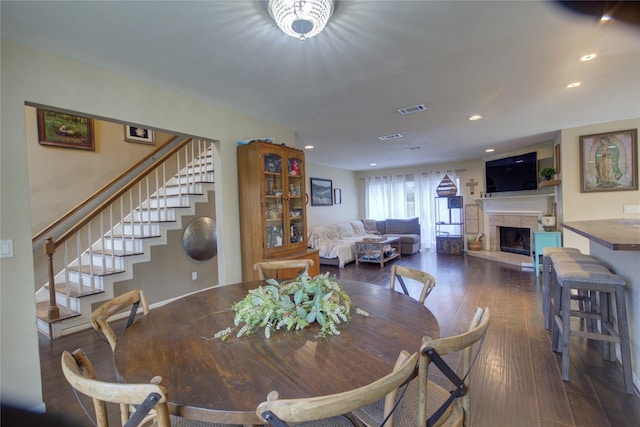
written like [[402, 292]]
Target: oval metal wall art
[[200, 240]]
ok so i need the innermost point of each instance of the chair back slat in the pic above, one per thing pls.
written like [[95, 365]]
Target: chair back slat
[[81, 375], [315, 408]]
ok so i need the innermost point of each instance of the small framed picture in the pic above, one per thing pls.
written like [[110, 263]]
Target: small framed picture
[[321, 192], [337, 196], [139, 135], [65, 130], [608, 161]]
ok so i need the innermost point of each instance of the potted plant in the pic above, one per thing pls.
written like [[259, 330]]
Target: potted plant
[[548, 221], [548, 173]]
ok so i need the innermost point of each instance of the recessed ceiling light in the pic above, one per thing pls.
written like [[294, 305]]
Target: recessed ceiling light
[[588, 57], [372, 164], [605, 18], [574, 84], [490, 150], [309, 147], [475, 117]]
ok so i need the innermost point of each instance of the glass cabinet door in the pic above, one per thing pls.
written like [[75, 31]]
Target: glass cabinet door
[[274, 201], [295, 197]]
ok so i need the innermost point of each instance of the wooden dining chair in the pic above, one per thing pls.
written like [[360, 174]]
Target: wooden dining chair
[[322, 410], [424, 399], [401, 272], [150, 399], [282, 269], [101, 315]]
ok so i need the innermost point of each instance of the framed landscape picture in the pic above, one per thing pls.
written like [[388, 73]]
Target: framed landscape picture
[[321, 192], [140, 135], [608, 161], [65, 130]]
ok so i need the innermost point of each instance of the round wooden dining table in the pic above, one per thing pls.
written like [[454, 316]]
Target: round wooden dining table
[[224, 381]]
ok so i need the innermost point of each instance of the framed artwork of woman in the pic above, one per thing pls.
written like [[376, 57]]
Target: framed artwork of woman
[[608, 161]]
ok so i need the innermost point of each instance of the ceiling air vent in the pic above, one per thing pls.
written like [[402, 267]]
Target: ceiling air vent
[[413, 109], [388, 137]]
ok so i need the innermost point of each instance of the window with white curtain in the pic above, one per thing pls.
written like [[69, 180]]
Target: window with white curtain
[[407, 196]]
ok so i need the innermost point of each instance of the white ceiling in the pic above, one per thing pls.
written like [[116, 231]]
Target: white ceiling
[[509, 61]]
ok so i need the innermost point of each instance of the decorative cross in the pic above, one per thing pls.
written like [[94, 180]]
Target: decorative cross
[[471, 184]]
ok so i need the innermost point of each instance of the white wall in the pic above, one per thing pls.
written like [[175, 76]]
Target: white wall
[[347, 210], [30, 75]]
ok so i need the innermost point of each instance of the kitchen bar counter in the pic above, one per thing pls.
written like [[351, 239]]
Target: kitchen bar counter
[[622, 234], [616, 242]]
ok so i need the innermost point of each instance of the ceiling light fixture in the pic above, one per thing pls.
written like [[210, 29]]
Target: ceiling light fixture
[[588, 57], [301, 19], [572, 85], [490, 150], [309, 147], [475, 117]]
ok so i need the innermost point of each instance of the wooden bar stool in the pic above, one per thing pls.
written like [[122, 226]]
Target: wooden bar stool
[[592, 278], [583, 297], [546, 278]]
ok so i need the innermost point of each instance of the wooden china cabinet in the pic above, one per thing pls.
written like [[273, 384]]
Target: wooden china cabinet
[[273, 216]]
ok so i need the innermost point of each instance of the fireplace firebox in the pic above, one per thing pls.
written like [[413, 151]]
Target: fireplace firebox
[[516, 240]]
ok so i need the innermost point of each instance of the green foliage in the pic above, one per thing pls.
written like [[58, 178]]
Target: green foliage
[[293, 304], [547, 172]]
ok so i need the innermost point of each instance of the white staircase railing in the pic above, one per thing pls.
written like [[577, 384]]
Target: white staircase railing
[[104, 241]]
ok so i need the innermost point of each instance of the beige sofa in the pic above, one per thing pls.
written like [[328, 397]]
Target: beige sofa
[[337, 242]]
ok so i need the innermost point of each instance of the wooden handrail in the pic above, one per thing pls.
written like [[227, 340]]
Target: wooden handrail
[[87, 218], [100, 191]]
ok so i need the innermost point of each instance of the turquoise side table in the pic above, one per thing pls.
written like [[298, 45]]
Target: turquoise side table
[[544, 239]]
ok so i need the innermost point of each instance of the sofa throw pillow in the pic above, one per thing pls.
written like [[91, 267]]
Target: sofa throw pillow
[[358, 228], [345, 230], [403, 226], [370, 226]]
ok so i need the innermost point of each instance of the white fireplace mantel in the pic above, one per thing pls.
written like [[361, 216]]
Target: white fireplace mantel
[[520, 208]]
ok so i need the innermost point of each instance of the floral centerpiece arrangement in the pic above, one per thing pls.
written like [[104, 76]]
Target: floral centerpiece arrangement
[[293, 304]]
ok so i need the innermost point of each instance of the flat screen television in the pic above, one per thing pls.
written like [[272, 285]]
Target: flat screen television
[[515, 173]]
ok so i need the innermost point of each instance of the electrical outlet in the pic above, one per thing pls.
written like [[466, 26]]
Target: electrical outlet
[[194, 275], [630, 209]]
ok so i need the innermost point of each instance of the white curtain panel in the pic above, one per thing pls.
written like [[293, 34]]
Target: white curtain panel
[[386, 197]]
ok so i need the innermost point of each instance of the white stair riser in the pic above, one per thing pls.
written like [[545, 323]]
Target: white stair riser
[[168, 202], [139, 229], [190, 188], [104, 261], [125, 245], [207, 177], [154, 215]]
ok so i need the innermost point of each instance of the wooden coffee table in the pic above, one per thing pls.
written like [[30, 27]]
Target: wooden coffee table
[[369, 250]]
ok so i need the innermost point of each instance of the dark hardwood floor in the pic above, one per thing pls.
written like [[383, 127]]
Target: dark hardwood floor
[[516, 380]]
